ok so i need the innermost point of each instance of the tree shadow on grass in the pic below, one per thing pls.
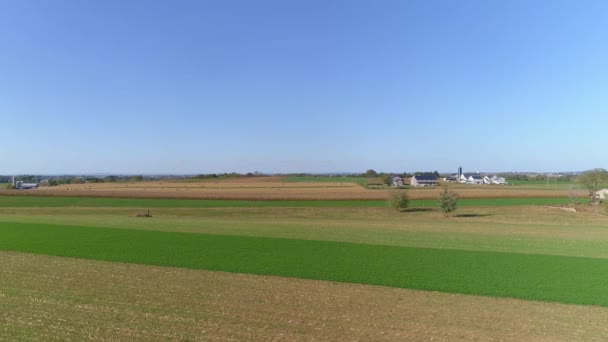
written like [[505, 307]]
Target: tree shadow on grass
[[472, 215], [416, 210]]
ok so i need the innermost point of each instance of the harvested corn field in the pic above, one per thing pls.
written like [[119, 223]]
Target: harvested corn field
[[277, 188]]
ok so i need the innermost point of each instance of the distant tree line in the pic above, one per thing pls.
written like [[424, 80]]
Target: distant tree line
[[434, 173], [24, 178], [61, 180], [227, 175]]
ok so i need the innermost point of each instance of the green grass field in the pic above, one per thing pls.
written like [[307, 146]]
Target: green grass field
[[493, 247], [526, 276], [40, 201], [544, 185]]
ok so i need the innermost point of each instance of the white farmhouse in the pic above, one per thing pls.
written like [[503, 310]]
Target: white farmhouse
[[601, 194], [494, 180], [498, 180], [473, 178], [396, 181], [423, 180]]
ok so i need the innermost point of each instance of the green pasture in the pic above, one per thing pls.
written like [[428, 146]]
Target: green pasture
[[533, 277], [505, 247], [518, 229], [544, 185]]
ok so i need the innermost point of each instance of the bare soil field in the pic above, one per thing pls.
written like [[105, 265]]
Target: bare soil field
[[54, 298], [273, 188]]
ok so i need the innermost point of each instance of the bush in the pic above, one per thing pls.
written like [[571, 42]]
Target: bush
[[448, 201], [399, 200], [386, 179]]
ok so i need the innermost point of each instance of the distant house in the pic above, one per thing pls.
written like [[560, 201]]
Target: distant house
[[423, 180], [452, 178], [475, 178], [601, 195], [472, 178], [498, 180], [25, 186], [494, 180], [396, 181]]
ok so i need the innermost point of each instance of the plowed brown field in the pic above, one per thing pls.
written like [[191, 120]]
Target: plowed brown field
[[272, 188]]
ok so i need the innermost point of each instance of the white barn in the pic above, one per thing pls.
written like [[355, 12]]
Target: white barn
[[601, 195], [423, 180]]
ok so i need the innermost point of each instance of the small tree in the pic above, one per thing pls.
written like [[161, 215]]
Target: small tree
[[371, 173], [572, 195], [447, 201], [386, 179], [593, 180], [399, 200]]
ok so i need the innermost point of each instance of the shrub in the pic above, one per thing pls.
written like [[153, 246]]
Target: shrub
[[399, 200], [386, 179], [448, 201]]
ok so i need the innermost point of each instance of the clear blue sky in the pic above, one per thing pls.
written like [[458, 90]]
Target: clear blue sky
[[302, 86]]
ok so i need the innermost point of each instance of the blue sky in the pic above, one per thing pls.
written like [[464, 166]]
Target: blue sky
[[302, 86]]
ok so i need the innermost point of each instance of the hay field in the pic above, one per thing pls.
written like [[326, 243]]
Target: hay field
[[277, 188]]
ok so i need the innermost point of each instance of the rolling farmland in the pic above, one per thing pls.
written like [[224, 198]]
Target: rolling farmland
[[523, 254], [285, 188], [525, 276]]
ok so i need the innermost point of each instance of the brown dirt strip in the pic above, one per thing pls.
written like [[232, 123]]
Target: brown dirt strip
[[53, 298]]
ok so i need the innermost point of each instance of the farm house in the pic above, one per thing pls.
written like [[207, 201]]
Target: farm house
[[423, 180], [494, 180], [473, 178], [396, 181], [601, 195]]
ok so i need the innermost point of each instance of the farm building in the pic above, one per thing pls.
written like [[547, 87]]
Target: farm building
[[396, 181], [494, 180], [601, 195], [423, 180], [475, 178], [471, 178], [498, 180], [21, 185]]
